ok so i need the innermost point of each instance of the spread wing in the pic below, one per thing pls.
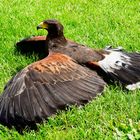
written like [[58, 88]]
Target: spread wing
[[46, 86], [32, 44]]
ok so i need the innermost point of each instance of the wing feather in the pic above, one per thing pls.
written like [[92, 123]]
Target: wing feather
[[46, 86]]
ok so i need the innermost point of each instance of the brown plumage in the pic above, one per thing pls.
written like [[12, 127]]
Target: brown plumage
[[56, 42], [46, 86], [62, 78], [32, 44], [112, 64]]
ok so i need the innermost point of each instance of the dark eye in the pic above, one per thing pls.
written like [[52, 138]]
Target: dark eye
[[55, 46]]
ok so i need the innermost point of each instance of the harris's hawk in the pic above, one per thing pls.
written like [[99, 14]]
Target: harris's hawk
[[111, 63], [62, 79], [46, 86]]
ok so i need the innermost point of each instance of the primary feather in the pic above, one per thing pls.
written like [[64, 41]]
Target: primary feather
[[44, 87]]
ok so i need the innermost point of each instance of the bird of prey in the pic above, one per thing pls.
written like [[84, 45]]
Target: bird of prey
[[65, 77], [114, 63]]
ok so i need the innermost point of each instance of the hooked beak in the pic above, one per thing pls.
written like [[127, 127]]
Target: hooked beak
[[42, 25]]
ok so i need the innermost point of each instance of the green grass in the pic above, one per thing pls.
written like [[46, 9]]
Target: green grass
[[116, 114]]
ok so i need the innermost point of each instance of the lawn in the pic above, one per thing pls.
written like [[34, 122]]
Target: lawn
[[96, 23]]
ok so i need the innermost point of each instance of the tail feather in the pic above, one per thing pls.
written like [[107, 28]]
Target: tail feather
[[123, 67]]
